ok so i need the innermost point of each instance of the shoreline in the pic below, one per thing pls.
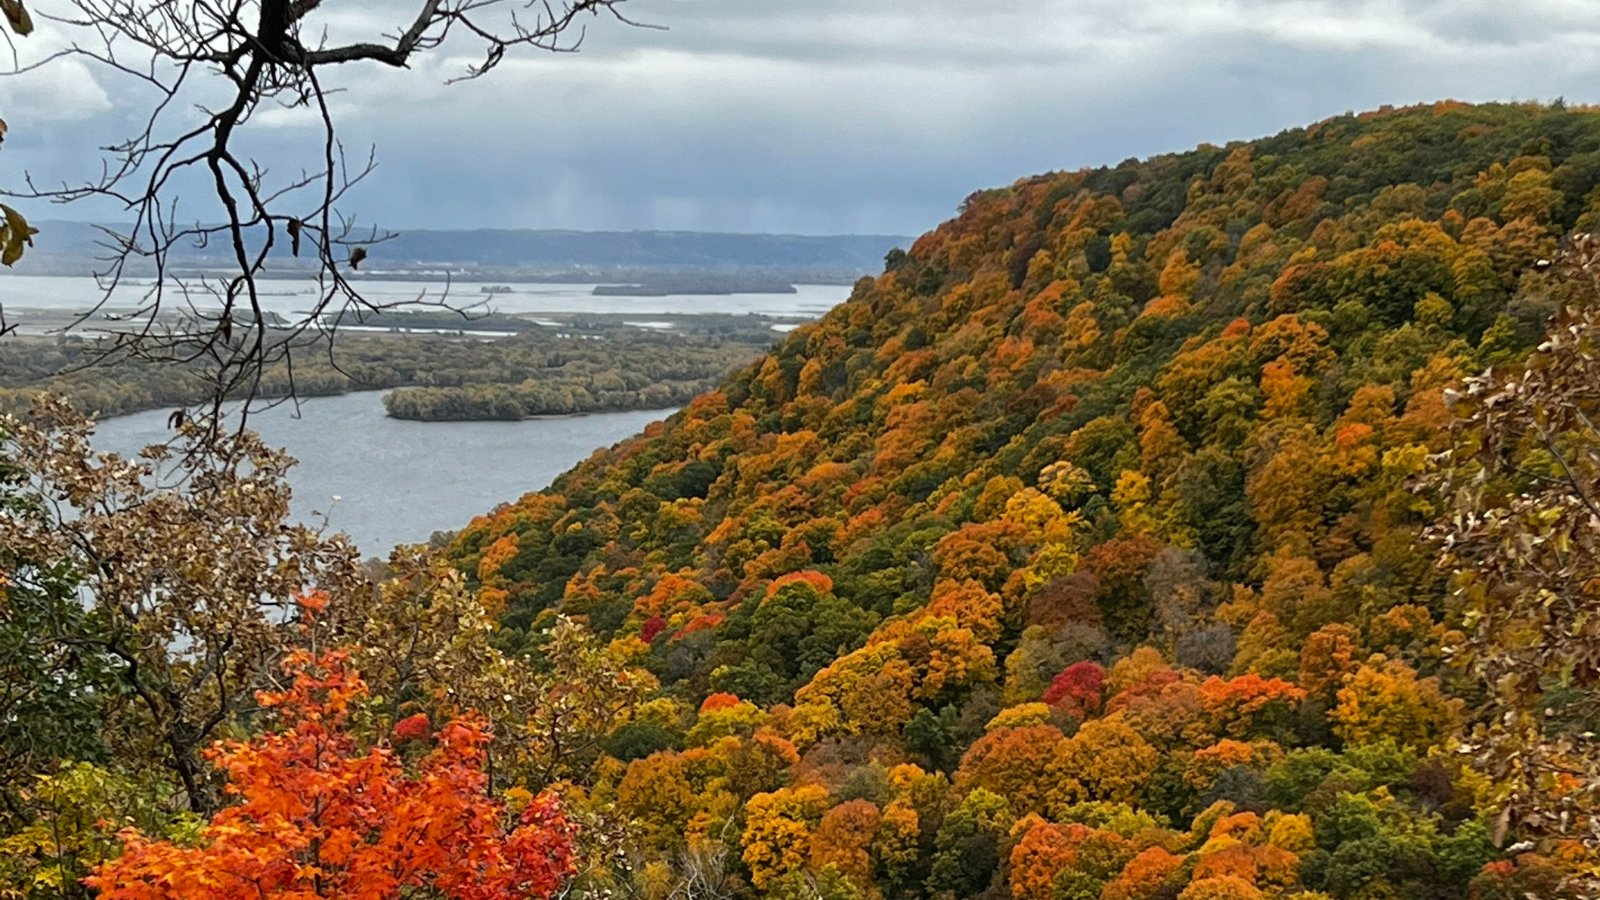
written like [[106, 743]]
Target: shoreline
[[378, 394]]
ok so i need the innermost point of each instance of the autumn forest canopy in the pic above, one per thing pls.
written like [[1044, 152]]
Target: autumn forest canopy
[[1216, 526]]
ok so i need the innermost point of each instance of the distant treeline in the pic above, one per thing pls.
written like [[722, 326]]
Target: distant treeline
[[70, 248], [702, 283], [611, 392], [583, 367], [439, 320]]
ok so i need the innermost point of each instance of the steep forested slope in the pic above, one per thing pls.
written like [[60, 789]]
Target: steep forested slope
[[1077, 554]]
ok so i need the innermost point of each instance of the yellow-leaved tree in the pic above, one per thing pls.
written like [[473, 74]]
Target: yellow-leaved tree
[[1522, 536]]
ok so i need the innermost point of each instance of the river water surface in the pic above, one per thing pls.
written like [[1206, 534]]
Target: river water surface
[[289, 297], [399, 481]]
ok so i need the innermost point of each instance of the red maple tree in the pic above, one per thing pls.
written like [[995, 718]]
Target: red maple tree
[[319, 816]]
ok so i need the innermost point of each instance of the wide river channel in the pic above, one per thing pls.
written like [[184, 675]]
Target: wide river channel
[[388, 481]]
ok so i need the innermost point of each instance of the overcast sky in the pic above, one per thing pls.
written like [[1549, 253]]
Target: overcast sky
[[833, 116]]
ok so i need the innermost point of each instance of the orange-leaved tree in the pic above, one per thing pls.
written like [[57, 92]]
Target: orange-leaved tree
[[319, 815]]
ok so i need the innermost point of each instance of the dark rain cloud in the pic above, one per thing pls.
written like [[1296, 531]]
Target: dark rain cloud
[[854, 115]]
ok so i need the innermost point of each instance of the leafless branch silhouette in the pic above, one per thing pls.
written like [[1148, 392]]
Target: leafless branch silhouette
[[253, 54]]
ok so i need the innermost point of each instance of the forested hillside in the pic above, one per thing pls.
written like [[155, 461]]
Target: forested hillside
[[1085, 551]]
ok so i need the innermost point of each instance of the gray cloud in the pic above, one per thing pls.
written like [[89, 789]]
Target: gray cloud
[[874, 115]]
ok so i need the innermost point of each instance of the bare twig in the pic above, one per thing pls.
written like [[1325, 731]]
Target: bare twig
[[256, 52]]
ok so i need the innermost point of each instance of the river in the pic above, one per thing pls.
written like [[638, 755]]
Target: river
[[388, 481], [399, 481]]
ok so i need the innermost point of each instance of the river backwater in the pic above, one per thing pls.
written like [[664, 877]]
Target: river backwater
[[291, 298], [389, 481]]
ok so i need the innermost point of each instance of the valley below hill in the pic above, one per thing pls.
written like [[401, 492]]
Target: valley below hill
[[453, 352]]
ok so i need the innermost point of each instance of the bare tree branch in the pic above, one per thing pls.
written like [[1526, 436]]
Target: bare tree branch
[[252, 52]]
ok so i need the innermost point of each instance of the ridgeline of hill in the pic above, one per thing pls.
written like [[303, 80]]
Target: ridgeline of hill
[[1076, 555]]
